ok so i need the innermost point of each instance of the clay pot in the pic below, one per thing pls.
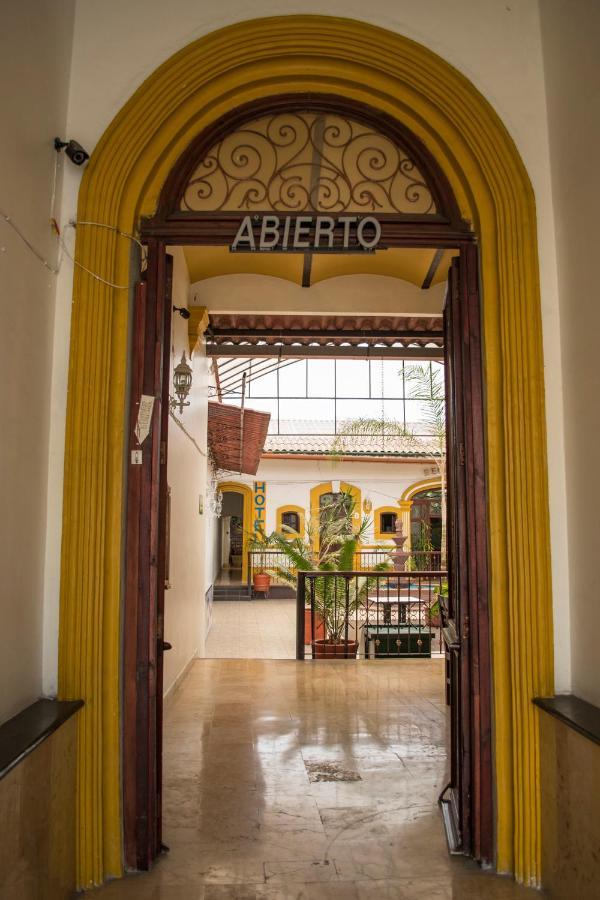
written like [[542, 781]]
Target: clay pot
[[261, 583], [329, 650], [319, 627]]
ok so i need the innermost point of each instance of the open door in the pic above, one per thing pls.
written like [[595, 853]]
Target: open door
[[147, 504], [467, 801]]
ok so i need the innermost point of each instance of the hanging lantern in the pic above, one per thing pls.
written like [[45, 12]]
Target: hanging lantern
[[182, 382]]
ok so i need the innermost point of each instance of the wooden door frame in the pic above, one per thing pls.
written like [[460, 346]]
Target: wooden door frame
[[169, 227], [147, 500]]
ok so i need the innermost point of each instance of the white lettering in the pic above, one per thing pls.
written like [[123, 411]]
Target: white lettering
[[368, 245], [301, 233], [286, 232], [324, 226], [269, 232], [301, 230], [346, 222], [244, 234]]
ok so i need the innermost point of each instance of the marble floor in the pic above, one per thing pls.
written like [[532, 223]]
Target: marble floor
[[252, 629], [307, 781]]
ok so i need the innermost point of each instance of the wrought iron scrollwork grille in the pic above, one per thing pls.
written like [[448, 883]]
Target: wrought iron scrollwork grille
[[307, 162]]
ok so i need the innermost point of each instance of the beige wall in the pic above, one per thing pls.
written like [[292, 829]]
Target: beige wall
[[497, 45], [571, 33], [35, 52], [184, 601]]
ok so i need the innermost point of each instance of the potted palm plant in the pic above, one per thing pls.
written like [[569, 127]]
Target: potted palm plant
[[261, 578], [333, 552]]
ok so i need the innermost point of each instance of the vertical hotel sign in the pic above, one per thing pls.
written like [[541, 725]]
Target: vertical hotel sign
[[260, 507]]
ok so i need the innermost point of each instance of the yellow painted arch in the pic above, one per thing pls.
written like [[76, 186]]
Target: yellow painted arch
[[123, 180], [237, 487], [418, 486], [289, 507], [379, 535], [326, 487]]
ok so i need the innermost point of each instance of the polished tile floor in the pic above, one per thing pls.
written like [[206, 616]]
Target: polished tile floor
[[252, 629], [301, 781]]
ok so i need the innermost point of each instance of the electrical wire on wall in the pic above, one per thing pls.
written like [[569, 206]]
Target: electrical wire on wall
[[55, 269]]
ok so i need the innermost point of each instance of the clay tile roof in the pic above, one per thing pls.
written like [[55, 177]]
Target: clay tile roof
[[316, 437]]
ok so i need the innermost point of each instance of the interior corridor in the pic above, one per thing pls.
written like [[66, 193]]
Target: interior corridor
[[307, 780]]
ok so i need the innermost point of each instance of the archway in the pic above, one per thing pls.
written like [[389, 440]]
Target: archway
[[181, 99], [235, 487]]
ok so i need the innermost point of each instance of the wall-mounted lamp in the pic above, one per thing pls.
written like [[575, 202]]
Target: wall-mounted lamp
[[182, 382], [183, 312]]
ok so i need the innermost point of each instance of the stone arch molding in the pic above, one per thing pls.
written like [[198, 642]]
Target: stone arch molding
[[122, 182]]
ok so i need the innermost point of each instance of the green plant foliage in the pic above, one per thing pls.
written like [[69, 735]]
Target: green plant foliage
[[336, 598]]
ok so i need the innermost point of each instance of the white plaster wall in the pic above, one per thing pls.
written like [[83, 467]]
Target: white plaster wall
[[35, 50], [571, 33], [184, 601], [366, 294], [289, 482], [494, 43]]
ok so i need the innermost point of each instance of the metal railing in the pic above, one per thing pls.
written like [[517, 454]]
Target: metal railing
[[368, 614], [424, 561], [272, 561]]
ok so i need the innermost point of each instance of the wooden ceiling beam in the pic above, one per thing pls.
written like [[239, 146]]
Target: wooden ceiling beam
[[215, 351]]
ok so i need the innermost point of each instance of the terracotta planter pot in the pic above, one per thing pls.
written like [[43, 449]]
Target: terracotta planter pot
[[261, 583], [319, 627], [328, 650]]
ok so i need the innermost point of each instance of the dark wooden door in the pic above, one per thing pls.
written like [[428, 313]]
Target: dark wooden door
[[467, 801], [146, 559]]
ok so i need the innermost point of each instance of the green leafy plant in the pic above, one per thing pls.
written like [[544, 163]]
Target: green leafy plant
[[336, 599], [428, 385], [260, 543]]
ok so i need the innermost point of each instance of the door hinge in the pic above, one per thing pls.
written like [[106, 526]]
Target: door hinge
[[461, 454]]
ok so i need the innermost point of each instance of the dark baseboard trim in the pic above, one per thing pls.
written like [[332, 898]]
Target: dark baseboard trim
[[29, 728], [575, 713]]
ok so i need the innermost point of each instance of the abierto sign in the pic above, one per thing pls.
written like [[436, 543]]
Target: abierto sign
[[351, 234]]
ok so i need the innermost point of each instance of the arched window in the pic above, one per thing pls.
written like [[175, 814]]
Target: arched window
[[385, 520], [291, 520], [290, 517], [426, 520]]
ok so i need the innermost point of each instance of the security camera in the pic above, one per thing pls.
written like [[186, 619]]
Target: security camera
[[183, 312], [74, 151]]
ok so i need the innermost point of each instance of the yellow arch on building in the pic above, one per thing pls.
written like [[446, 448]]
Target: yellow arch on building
[[326, 487], [379, 536], [123, 179], [279, 517], [237, 487], [426, 485], [406, 500]]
